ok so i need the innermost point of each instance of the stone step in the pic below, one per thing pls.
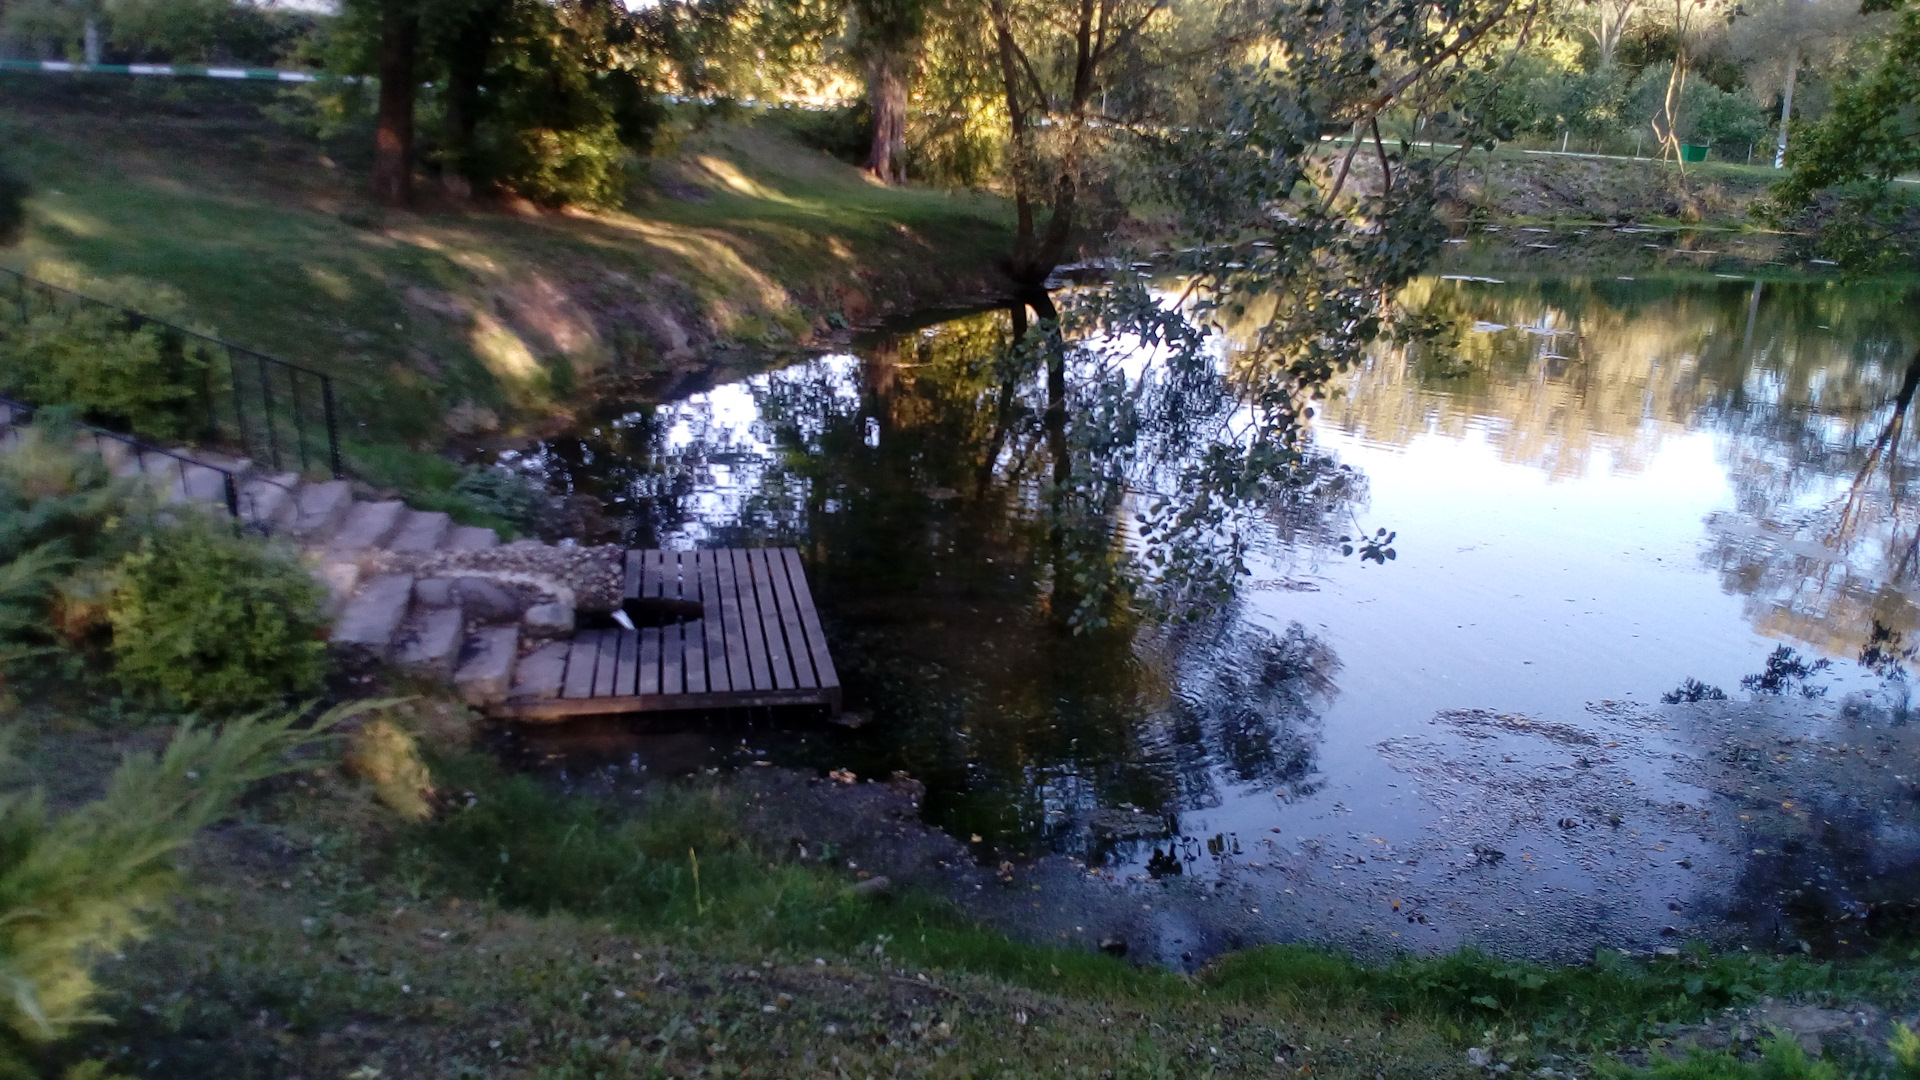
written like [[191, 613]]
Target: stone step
[[538, 673], [367, 525], [469, 538], [320, 509], [270, 501], [420, 531], [485, 674], [430, 641], [341, 578], [371, 620]]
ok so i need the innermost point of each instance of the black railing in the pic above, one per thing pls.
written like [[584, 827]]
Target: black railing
[[181, 478], [275, 413]]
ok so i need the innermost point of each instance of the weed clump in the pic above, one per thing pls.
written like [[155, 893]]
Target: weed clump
[[206, 619]]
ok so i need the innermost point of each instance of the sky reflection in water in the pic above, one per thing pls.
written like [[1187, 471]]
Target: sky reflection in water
[[1599, 489]]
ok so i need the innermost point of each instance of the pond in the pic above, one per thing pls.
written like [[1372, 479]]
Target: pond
[[1431, 711]]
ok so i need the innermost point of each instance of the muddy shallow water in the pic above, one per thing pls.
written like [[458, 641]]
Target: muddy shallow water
[[1597, 490]]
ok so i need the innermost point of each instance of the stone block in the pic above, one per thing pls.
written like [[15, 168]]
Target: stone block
[[540, 671], [469, 538], [420, 531], [430, 641], [367, 525], [548, 621], [487, 600], [370, 621], [486, 670]]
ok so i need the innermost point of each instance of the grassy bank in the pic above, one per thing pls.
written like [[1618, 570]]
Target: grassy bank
[[521, 932], [466, 319]]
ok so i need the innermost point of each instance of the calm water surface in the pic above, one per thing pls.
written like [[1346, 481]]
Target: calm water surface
[[1598, 490]]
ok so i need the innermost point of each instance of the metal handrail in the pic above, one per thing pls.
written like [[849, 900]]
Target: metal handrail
[[263, 430], [20, 413]]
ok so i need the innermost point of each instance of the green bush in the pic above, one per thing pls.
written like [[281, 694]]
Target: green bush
[[145, 380], [206, 619]]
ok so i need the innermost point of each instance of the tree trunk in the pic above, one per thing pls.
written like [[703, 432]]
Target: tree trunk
[[1786, 105], [393, 133], [887, 90], [466, 67], [90, 41]]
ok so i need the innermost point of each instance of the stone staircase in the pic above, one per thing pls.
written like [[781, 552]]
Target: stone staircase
[[404, 587]]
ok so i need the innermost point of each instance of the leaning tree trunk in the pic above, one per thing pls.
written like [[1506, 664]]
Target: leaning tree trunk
[[1786, 104], [887, 90], [393, 133]]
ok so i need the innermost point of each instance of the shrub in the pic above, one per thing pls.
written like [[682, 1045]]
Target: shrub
[[61, 517], [77, 886], [142, 379], [207, 619], [385, 755]]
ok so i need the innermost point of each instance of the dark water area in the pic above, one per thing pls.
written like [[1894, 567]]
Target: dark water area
[[1599, 491]]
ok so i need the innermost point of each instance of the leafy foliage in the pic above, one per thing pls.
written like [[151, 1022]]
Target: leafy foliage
[[60, 525], [1855, 153], [207, 619], [85, 883], [135, 376]]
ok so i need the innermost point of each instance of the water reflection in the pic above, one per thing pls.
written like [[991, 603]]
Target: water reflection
[[950, 526], [1599, 489]]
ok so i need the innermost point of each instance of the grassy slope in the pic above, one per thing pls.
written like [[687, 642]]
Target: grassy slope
[[275, 245]]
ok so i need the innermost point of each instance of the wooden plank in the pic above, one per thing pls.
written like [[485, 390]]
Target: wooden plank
[[626, 665], [790, 621], [672, 656], [631, 588], [729, 601], [605, 668], [750, 621], [810, 621], [695, 631], [763, 587], [580, 663], [649, 668], [713, 626], [562, 708], [651, 643]]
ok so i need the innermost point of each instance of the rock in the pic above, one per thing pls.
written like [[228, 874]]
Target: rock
[[433, 592], [548, 621], [1478, 1056], [874, 887], [1113, 945], [486, 600]]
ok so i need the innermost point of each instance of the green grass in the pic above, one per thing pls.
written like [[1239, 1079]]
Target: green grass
[[522, 932], [269, 239]]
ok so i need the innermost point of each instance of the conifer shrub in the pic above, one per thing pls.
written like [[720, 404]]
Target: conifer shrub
[[143, 379], [80, 885], [206, 619]]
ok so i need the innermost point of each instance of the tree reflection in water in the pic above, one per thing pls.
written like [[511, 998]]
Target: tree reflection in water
[[995, 613]]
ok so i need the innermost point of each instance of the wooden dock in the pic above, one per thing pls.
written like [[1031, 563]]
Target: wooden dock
[[758, 643]]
